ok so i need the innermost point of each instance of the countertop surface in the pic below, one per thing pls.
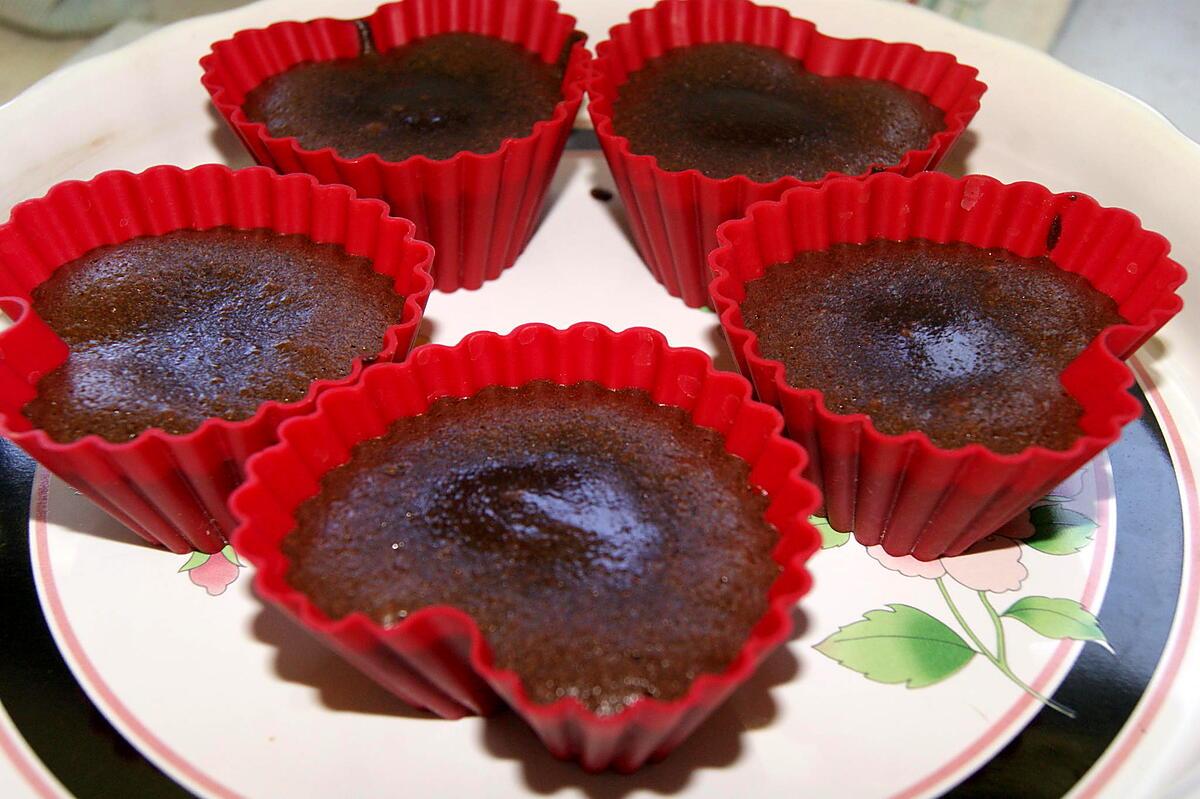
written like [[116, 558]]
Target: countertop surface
[[1145, 48]]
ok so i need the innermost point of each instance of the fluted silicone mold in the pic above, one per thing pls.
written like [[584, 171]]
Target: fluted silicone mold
[[902, 491], [172, 489], [674, 215], [437, 658], [477, 210]]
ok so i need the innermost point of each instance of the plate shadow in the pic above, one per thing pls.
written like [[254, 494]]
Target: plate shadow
[[300, 658], [716, 744], [958, 161], [604, 191], [233, 153]]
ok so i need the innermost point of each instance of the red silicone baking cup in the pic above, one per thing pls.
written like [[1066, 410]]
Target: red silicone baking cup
[[902, 491], [477, 210], [437, 658], [674, 215], [172, 489]]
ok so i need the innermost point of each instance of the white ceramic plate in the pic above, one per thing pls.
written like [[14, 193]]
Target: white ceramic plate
[[228, 699]]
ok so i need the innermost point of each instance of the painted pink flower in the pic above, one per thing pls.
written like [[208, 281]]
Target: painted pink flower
[[213, 573], [1071, 487], [993, 564]]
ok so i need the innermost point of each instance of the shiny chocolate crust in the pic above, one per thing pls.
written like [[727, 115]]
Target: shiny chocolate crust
[[167, 331], [607, 547], [739, 109], [963, 343], [436, 97]]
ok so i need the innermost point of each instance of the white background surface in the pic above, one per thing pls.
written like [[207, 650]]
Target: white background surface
[[1148, 48], [1145, 47]]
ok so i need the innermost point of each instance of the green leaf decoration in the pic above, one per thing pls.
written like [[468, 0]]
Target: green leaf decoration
[[1059, 530], [830, 538], [231, 556], [196, 560], [1057, 618], [900, 645]]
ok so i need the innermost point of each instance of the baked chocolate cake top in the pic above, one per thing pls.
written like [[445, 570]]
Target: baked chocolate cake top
[[964, 343], [607, 547], [167, 331], [436, 97], [739, 109]]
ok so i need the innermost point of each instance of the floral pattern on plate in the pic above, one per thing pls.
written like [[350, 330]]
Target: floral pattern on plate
[[902, 644]]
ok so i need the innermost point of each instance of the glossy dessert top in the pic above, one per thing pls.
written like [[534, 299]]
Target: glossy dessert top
[[739, 109], [964, 343], [436, 97], [167, 331], [607, 547]]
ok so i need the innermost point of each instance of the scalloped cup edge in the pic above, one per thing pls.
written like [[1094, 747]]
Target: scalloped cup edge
[[574, 87], [804, 542], [1170, 305], [602, 96], [414, 305]]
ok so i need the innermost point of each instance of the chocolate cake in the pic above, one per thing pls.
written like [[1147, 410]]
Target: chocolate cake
[[738, 109], [436, 97], [167, 331], [607, 547], [964, 343]]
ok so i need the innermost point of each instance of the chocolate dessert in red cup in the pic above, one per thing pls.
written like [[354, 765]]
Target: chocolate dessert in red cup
[[675, 204], [412, 105], [623, 531], [118, 265], [1063, 256]]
